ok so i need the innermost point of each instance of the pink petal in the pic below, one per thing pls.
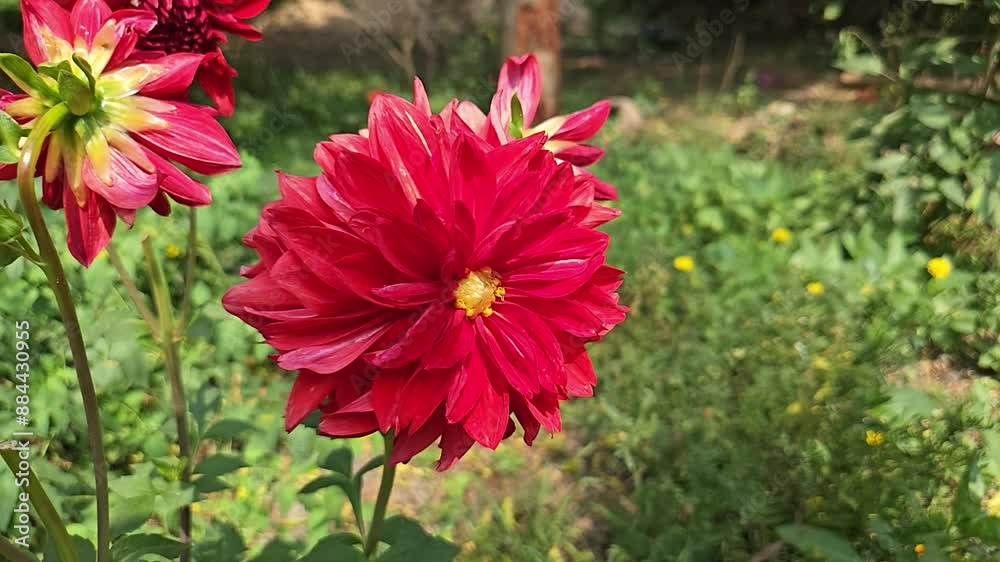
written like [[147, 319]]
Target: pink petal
[[131, 187], [38, 14], [580, 154], [194, 138], [420, 99], [178, 71], [584, 124], [181, 187], [521, 76], [130, 26], [88, 17]]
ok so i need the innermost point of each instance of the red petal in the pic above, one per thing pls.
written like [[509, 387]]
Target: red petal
[[418, 339], [89, 229], [581, 377], [348, 425], [181, 187], [403, 140], [308, 391], [580, 154], [364, 183], [422, 396], [410, 445], [522, 76], [487, 422], [215, 76], [454, 444], [335, 355], [467, 387], [420, 99]]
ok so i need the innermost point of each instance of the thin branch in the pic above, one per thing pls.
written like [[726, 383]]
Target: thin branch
[[135, 295], [192, 258]]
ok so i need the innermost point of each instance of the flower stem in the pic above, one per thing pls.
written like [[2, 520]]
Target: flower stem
[[384, 491], [44, 510], [172, 363], [67, 309], [8, 551]]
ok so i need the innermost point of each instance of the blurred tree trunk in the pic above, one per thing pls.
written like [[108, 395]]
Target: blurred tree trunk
[[534, 26]]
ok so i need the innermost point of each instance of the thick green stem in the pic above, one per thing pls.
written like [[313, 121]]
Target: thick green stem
[[10, 551], [172, 363], [44, 509], [60, 287], [382, 502]]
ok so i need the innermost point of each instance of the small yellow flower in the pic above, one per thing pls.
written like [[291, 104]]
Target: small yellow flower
[[173, 252], [795, 408], [939, 268], [781, 235], [684, 263], [242, 493], [993, 505], [469, 547], [920, 549], [874, 438], [820, 363], [815, 288], [196, 508], [175, 450]]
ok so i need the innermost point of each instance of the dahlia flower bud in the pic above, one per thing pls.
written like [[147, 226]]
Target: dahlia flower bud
[[108, 119]]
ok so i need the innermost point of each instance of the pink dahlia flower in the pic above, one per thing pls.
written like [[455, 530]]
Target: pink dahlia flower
[[110, 154], [521, 77], [201, 26], [432, 284]]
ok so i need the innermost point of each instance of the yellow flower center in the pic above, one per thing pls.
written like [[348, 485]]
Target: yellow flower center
[[476, 293]]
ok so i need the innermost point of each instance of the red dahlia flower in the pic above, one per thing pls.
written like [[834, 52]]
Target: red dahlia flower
[[108, 154], [432, 284], [200, 26], [522, 77]]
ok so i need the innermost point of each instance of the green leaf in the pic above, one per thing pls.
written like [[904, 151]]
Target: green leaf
[[324, 482], [371, 465], [210, 485], [227, 430], [339, 547], [906, 404], [134, 548], [278, 551], [219, 465], [222, 543], [75, 93], [25, 76], [10, 139], [85, 551], [409, 542], [340, 461], [516, 118], [935, 116], [820, 543]]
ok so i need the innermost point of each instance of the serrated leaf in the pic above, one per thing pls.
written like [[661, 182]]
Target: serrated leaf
[[820, 543], [133, 548], [219, 465]]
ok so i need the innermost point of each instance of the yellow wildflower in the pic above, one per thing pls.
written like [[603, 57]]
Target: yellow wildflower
[[781, 235], [684, 263], [795, 408], [820, 363], [939, 268], [920, 549], [993, 505], [173, 252], [815, 288], [874, 438]]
